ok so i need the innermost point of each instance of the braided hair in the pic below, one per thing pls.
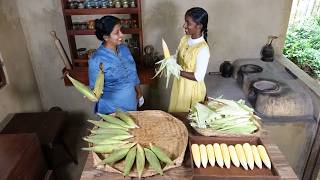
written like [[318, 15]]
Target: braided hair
[[200, 16], [105, 25]]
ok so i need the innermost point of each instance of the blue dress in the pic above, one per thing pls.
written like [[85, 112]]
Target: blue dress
[[120, 79]]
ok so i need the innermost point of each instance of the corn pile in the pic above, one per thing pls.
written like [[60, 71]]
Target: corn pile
[[247, 155], [168, 65], [112, 138], [224, 115], [95, 94]]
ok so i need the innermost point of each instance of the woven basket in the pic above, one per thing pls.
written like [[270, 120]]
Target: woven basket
[[158, 128], [212, 132]]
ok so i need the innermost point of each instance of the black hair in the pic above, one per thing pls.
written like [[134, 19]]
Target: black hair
[[200, 16], [105, 25]]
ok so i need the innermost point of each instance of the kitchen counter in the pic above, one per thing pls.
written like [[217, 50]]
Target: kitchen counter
[[294, 136], [185, 171]]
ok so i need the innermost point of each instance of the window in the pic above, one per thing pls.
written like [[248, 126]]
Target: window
[[3, 81]]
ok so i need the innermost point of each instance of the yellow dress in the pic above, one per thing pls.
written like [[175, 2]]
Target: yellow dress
[[185, 93]]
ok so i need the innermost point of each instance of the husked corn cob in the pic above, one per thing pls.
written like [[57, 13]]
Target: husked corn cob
[[249, 155], [153, 160], [110, 131], [241, 156], [225, 155], [129, 160], [256, 156], [103, 124], [114, 120], [160, 154], [98, 86], [218, 154], [105, 141], [140, 160], [210, 153], [84, 90], [126, 118], [203, 155], [264, 156], [165, 48], [233, 155], [118, 154], [195, 150]]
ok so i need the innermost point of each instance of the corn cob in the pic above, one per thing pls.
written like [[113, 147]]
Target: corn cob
[[165, 49], [203, 155], [109, 136], [105, 141], [195, 150], [109, 131], [83, 89], [98, 86], [233, 155], [225, 155], [103, 124], [129, 160], [126, 118], [153, 160], [140, 160], [264, 156], [210, 153], [105, 148], [160, 154], [118, 154], [241, 156], [249, 155], [256, 156], [114, 120], [218, 154]]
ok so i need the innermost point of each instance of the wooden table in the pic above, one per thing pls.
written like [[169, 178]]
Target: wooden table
[[185, 172]]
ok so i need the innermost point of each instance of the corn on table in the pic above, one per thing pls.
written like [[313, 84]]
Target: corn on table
[[185, 171]]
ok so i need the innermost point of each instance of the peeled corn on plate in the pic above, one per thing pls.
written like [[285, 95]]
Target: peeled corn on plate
[[245, 155]]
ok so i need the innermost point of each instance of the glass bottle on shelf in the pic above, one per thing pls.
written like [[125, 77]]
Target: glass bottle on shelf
[[125, 4], [110, 4], [117, 4], [132, 4]]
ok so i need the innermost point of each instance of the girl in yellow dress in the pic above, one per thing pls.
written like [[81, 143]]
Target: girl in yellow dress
[[193, 56]]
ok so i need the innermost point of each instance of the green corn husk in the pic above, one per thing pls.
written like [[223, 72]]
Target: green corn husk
[[109, 131], [103, 124], [115, 120], [83, 89]]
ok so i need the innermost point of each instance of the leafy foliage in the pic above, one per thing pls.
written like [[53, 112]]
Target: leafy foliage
[[302, 46]]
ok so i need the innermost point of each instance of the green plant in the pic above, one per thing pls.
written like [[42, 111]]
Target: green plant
[[302, 45]]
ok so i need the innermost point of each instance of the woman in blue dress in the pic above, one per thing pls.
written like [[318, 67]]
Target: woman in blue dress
[[121, 84]]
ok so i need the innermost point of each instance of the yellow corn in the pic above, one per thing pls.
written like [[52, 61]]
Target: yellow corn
[[165, 48], [264, 156], [218, 154], [195, 150], [256, 156], [249, 155], [203, 155], [233, 155], [98, 86], [241, 156], [210, 153], [225, 155]]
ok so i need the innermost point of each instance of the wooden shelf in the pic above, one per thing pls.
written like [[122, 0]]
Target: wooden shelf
[[81, 74], [101, 11], [92, 32]]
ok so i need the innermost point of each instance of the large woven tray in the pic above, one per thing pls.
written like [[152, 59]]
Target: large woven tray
[[158, 128]]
